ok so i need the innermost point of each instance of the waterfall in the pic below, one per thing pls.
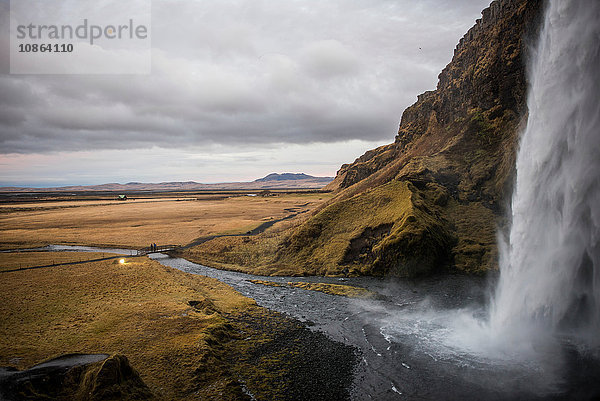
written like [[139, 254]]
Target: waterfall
[[550, 263]]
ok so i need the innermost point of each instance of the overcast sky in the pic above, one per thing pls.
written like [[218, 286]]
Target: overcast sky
[[238, 89]]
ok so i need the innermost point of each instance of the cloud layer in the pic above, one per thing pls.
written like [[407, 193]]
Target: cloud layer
[[236, 72]]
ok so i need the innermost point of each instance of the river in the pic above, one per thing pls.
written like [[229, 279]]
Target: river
[[418, 339]]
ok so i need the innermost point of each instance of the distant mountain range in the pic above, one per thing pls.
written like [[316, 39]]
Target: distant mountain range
[[291, 177], [271, 181]]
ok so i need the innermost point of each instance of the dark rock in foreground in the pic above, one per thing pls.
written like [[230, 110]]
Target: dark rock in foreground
[[75, 377]]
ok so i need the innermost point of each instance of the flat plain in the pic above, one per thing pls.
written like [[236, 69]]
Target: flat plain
[[136, 223], [188, 336]]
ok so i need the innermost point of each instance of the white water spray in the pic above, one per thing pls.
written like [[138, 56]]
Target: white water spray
[[550, 267]]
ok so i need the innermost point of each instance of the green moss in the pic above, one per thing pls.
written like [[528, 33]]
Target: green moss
[[475, 250], [483, 129], [325, 239], [331, 289], [335, 289]]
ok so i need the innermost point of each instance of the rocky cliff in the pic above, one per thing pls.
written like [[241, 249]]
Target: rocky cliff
[[454, 151], [434, 198]]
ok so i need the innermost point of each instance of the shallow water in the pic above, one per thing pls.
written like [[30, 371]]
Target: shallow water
[[74, 248]]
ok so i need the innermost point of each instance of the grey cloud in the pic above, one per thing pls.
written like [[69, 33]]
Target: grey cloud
[[246, 71], [17, 93], [12, 117], [329, 58]]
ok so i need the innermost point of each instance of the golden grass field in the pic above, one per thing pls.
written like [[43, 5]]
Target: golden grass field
[[138, 223], [139, 309]]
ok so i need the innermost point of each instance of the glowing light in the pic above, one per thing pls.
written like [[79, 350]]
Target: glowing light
[[122, 261]]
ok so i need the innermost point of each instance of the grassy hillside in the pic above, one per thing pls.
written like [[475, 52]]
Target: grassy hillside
[[386, 229]]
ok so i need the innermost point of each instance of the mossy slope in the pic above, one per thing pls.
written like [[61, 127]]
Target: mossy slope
[[386, 230]]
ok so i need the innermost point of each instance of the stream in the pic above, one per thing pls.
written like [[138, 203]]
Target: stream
[[392, 363], [425, 339], [419, 339]]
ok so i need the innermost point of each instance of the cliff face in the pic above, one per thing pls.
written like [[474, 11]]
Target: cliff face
[[455, 148], [434, 197], [480, 95]]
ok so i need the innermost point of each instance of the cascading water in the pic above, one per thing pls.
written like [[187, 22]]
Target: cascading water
[[550, 266], [540, 336]]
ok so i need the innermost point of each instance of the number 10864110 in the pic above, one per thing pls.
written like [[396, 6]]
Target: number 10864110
[[46, 48]]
